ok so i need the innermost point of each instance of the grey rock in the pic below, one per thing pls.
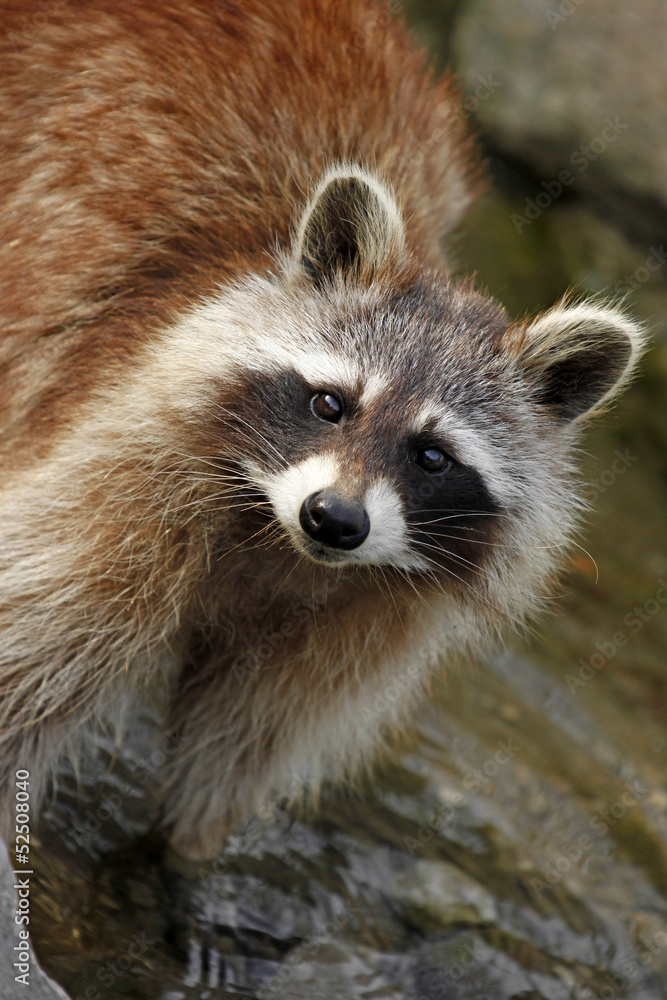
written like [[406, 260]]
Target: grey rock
[[578, 85], [39, 987]]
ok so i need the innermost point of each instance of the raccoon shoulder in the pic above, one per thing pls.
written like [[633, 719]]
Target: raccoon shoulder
[[131, 185]]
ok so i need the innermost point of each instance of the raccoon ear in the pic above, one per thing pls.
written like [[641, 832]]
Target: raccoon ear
[[578, 356], [350, 226]]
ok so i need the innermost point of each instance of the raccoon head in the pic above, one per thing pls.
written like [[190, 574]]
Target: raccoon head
[[399, 418]]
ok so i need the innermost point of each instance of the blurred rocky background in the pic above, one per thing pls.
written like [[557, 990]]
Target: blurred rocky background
[[570, 101]]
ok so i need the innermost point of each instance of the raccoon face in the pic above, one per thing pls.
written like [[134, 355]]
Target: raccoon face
[[372, 471], [400, 419]]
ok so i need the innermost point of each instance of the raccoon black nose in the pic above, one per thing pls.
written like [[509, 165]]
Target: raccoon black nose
[[332, 520]]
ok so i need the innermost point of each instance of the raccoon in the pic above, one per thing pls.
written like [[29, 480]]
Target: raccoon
[[261, 453]]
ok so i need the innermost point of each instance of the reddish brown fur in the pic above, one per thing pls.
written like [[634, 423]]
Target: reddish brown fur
[[144, 172]]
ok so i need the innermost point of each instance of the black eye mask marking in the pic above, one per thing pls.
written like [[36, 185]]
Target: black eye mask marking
[[267, 416], [449, 514]]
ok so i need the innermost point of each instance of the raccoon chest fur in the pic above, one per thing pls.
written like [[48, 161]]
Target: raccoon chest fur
[[248, 420]]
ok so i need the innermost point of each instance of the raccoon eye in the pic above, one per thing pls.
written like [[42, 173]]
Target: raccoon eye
[[433, 460], [327, 407]]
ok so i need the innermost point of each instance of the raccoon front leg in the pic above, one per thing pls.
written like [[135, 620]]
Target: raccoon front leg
[[224, 765], [247, 737]]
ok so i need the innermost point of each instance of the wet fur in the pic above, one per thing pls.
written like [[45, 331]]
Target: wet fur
[[167, 253]]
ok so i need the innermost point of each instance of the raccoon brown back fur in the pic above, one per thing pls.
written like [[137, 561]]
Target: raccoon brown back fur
[[152, 150], [155, 153]]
